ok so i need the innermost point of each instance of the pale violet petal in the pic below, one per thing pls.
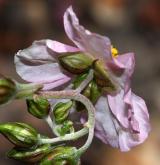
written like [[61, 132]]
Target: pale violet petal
[[39, 65], [104, 127], [95, 44], [60, 47]]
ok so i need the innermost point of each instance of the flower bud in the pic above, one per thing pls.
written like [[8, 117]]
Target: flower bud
[[7, 90], [38, 107], [76, 63], [95, 92], [65, 128], [61, 111], [31, 155], [20, 134], [62, 156]]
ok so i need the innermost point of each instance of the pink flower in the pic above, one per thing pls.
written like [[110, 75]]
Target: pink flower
[[122, 118]]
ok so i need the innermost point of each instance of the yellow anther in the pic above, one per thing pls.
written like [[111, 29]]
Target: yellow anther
[[114, 52]]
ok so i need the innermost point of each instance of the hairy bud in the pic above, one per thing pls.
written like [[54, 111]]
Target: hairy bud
[[31, 155], [20, 134], [76, 63], [61, 111], [65, 128], [38, 107], [62, 156], [7, 89]]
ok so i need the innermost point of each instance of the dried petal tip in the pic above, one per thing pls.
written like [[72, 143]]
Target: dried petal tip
[[39, 107], [7, 90], [76, 63]]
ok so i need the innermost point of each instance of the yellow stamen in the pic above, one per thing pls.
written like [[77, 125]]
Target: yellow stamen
[[114, 52]]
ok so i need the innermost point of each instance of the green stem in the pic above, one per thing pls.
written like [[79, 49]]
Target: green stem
[[71, 136], [51, 124]]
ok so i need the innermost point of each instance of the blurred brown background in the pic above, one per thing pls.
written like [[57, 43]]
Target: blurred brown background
[[133, 25]]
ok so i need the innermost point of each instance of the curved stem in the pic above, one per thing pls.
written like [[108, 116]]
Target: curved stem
[[51, 124], [75, 95], [71, 136]]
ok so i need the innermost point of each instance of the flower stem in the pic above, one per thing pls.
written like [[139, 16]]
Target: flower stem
[[51, 124], [75, 95], [71, 136]]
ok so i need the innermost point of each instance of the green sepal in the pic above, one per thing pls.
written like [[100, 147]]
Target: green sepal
[[62, 156], [61, 111], [79, 79], [8, 89], [103, 78], [39, 107], [30, 155], [20, 134], [76, 63], [65, 128], [95, 92]]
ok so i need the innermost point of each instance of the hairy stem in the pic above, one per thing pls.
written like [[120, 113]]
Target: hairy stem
[[51, 124], [71, 136]]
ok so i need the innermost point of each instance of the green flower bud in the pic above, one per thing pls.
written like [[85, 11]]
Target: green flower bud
[[95, 92], [38, 107], [20, 134], [7, 90], [61, 111], [65, 128], [62, 156], [102, 78], [31, 155], [76, 63]]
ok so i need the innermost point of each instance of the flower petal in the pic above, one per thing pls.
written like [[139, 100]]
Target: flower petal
[[95, 44], [60, 48], [110, 131], [129, 139], [125, 108], [104, 127], [39, 64], [121, 69]]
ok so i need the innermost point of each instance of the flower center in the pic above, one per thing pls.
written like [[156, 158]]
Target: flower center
[[114, 52]]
